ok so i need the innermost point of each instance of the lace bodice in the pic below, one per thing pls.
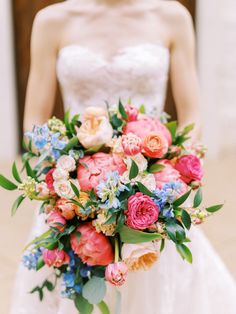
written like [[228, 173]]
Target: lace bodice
[[139, 73]]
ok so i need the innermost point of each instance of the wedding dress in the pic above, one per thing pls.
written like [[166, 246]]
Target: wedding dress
[[172, 286]]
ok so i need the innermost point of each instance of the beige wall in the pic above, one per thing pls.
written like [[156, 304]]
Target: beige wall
[[8, 128]]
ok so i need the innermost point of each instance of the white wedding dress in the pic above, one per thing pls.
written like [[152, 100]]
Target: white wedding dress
[[172, 286]]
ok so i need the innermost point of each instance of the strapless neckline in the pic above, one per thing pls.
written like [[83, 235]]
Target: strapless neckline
[[119, 52]]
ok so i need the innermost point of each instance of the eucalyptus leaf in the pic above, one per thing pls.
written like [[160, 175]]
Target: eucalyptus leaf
[[16, 204], [82, 305], [186, 219], [197, 198], [94, 290], [133, 236], [214, 208], [156, 168], [7, 184], [182, 199], [134, 170], [185, 252], [15, 173]]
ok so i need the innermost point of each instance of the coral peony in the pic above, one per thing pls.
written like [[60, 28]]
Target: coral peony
[[56, 220], [190, 168], [142, 212], [155, 145], [116, 273], [139, 256], [94, 168], [131, 144], [55, 258], [132, 112], [145, 125], [93, 248]]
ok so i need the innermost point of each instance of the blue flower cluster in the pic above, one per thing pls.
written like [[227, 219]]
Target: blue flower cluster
[[41, 136], [166, 196], [30, 259], [70, 286], [109, 190]]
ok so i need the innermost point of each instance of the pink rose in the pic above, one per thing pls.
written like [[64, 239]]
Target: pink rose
[[49, 179], [190, 168], [116, 273], [93, 248], [147, 125], [142, 212], [55, 258], [155, 145], [66, 208], [55, 220], [132, 144], [94, 168], [132, 112], [66, 163]]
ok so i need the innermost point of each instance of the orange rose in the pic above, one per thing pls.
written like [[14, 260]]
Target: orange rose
[[155, 145]]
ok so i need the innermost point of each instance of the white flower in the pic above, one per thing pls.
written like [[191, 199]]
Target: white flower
[[96, 129], [140, 160], [63, 189], [148, 180], [66, 163], [116, 145], [60, 174], [42, 189]]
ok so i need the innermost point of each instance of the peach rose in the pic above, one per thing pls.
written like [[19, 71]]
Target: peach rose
[[96, 129], [93, 248], [94, 168], [139, 256], [146, 125], [55, 258], [155, 145], [116, 273], [66, 208]]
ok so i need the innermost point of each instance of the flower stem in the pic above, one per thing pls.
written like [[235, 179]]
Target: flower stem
[[116, 250]]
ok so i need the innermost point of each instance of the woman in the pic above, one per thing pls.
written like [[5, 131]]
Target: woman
[[101, 50]]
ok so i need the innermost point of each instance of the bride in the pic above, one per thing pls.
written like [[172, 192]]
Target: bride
[[102, 50]]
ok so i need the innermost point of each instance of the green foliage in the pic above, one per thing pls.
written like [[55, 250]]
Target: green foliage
[[7, 184], [40, 289], [40, 264], [155, 168], [197, 198], [142, 109], [182, 199], [184, 252], [16, 204], [72, 143], [162, 245], [144, 190], [75, 189], [15, 173], [122, 110], [30, 172], [175, 231], [172, 127], [134, 170], [82, 305], [214, 208], [133, 236], [103, 308], [186, 219], [94, 290]]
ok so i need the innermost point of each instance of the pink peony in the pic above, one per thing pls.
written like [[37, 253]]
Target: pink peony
[[55, 258], [93, 248], [155, 145], [116, 273], [168, 174], [147, 125], [132, 144], [66, 208], [132, 112], [190, 168], [49, 179], [55, 220], [94, 168], [142, 212]]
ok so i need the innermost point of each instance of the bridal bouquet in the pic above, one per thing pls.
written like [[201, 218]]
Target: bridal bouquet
[[114, 186]]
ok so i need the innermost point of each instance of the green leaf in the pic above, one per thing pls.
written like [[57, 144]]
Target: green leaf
[[197, 198], [172, 126], [182, 199], [187, 129], [82, 305], [116, 122], [73, 142], [144, 190], [122, 110], [133, 236], [175, 232], [40, 264], [49, 285], [134, 170], [214, 208], [30, 172], [39, 238], [7, 184], [75, 189], [15, 173], [120, 222], [162, 245], [93, 150], [94, 290], [103, 308], [111, 220], [40, 292], [16, 204], [78, 235], [185, 252], [155, 168], [186, 219], [142, 109]]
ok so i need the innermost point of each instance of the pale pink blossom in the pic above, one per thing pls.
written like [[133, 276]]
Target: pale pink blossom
[[132, 112], [42, 189], [63, 189], [116, 273], [60, 174], [66, 163]]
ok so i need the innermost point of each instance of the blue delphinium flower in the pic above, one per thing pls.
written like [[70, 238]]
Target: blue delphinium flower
[[85, 271], [109, 190], [69, 285], [39, 136], [30, 259]]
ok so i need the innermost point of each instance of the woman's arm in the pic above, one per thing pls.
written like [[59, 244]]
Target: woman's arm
[[183, 72], [41, 87]]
